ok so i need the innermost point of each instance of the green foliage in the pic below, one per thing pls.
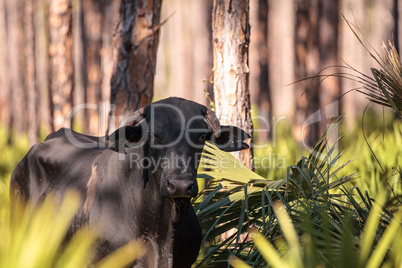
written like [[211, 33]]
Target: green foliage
[[34, 240], [10, 153], [272, 158], [382, 141], [328, 215], [35, 237], [301, 251], [329, 219], [377, 162]]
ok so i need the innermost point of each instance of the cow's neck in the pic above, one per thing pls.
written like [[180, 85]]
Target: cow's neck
[[151, 218]]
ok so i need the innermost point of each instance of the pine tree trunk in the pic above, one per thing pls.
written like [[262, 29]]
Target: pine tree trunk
[[15, 61], [93, 24], [231, 33], [80, 121], [200, 48], [281, 62], [61, 63], [328, 37], [353, 54], [395, 13], [135, 45], [259, 86], [110, 11], [398, 25], [4, 75], [306, 131], [42, 65], [30, 71]]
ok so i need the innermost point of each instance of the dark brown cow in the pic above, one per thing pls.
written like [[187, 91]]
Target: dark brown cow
[[135, 184]]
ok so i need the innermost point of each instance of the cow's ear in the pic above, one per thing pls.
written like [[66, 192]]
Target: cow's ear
[[231, 139], [119, 139]]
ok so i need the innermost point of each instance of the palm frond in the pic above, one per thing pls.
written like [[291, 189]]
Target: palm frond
[[239, 199], [336, 246], [35, 237]]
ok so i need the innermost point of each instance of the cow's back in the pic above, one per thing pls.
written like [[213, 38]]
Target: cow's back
[[55, 165]]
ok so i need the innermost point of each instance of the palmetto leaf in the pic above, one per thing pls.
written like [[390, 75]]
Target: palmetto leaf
[[35, 237], [239, 199], [301, 251]]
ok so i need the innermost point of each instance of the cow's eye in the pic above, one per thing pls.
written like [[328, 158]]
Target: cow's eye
[[201, 138]]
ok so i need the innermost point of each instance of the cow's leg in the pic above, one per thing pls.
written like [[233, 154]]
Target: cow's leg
[[187, 241]]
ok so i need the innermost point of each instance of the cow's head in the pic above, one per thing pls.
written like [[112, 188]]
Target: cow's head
[[172, 133]]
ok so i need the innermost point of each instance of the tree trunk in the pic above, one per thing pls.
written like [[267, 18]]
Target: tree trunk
[[80, 122], [330, 90], [135, 45], [93, 25], [281, 35], [395, 13], [259, 86], [231, 33], [398, 25], [110, 22], [4, 74], [353, 53], [30, 72], [15, 61], [61, 63], [42, 65], [306, 129]]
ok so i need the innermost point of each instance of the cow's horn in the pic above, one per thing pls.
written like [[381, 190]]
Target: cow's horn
[[135, 118], [213, 121]]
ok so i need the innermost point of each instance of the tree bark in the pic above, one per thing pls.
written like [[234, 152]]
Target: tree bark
[[61, 62], [281, 62], [110, 23], [395, 14], [30, 72], [231, 33], [15, 61], [330, 90], [93, 33], [353, 53], [4, 75], [259, 75], [80, 121], [42, 65], [307, 65], [135, 45]]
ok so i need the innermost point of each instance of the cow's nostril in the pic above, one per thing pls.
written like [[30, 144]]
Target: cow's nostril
[[190, 188], [170, 187], [181, 188]]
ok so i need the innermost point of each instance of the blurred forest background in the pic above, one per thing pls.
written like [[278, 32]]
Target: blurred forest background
[[59, 54]]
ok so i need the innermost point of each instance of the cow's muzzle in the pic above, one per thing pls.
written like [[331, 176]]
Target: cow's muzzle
[[181, 188]]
